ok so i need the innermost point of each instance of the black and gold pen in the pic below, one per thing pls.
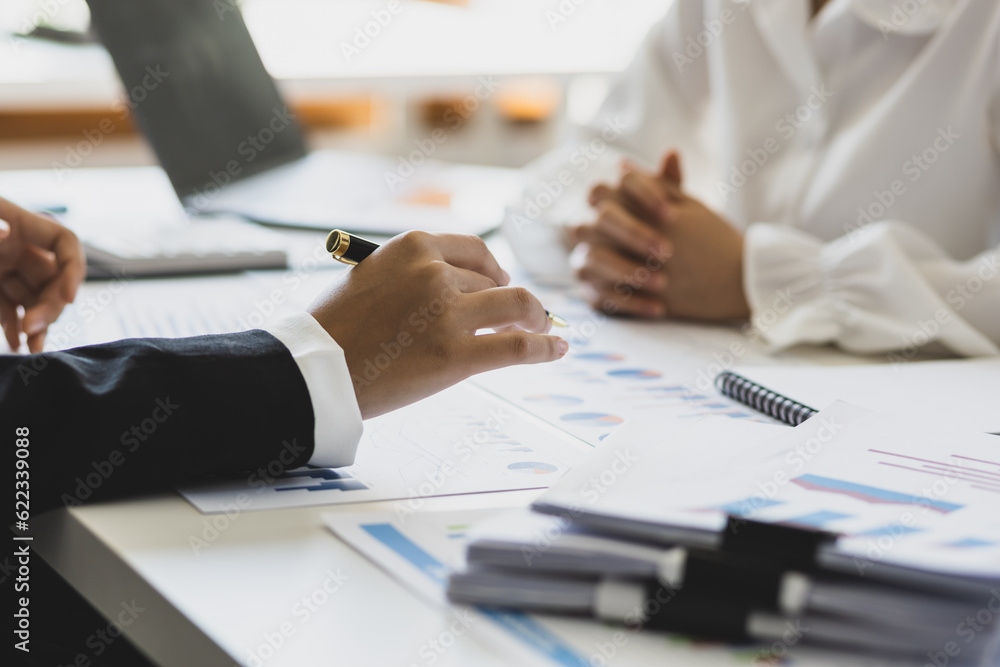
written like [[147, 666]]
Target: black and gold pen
[[351, 249]]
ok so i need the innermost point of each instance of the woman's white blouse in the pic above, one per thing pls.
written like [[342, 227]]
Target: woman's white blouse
[[859, 150]]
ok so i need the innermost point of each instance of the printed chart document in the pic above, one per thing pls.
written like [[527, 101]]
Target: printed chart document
[[462, 440], [962, 393], [609, 377], [422, 550], [906, 496]]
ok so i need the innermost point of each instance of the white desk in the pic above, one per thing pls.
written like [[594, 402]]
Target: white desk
[[219, 605]]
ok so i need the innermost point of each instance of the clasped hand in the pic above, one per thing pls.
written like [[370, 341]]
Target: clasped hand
[[654, 252]]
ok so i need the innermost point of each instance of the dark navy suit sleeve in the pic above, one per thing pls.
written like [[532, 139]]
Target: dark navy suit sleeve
[[143, 415]]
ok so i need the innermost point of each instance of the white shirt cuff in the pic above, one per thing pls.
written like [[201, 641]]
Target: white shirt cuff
[[321, 361]]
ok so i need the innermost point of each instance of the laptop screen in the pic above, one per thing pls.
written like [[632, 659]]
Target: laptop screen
[[198, 90]]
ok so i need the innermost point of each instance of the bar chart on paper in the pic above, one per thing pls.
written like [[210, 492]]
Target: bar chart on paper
[[915, 495], [462, 440]]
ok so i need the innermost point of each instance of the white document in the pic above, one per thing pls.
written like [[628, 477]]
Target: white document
[[462, 440], [654, 476], [615, 373], [899, 491], [964, 393]]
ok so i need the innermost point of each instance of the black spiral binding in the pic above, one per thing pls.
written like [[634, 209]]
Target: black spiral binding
[[762, 399]]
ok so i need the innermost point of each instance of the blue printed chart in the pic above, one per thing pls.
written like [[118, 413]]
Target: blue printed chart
[[916, 495], [590, 393], [423, 550], [463, 440]]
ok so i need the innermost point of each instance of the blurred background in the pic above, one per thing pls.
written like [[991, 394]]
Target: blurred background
[[505, 79]]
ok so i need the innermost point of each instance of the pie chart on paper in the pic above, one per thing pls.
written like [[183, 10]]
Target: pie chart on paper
[[597, 419], [553, 399], [598, 356], [634, 373], [532, 467]]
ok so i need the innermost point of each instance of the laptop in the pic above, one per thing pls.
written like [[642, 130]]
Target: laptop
[[229, 143]]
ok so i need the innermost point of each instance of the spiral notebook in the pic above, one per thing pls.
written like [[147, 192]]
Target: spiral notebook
[[962, 393], [762, 399]]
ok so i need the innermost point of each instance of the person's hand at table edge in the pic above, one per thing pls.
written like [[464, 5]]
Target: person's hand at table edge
[[41, 266]]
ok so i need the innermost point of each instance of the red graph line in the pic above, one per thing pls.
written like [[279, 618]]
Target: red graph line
[[969, 458], [940, 463], [966, 473], [939, 474]]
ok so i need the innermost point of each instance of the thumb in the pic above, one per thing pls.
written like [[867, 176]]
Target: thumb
[[671, 168], [45, 311]]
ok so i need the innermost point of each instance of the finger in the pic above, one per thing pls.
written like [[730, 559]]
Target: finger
[[670, 169], [576, 234], [18, 291], [505, 306], [11, 323], [467, 252], [37, 267], [599, 193], [642, 188], [469, 281], [49, 235], [606, 266], [45, 311], [499, 350], [36, 342], [618, 225], [617, 302], [652, 197]]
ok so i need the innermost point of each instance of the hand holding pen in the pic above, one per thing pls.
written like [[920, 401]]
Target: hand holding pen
[[407, 318], [350, 249]]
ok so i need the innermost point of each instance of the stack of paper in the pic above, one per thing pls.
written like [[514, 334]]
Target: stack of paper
[[865, 531]]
